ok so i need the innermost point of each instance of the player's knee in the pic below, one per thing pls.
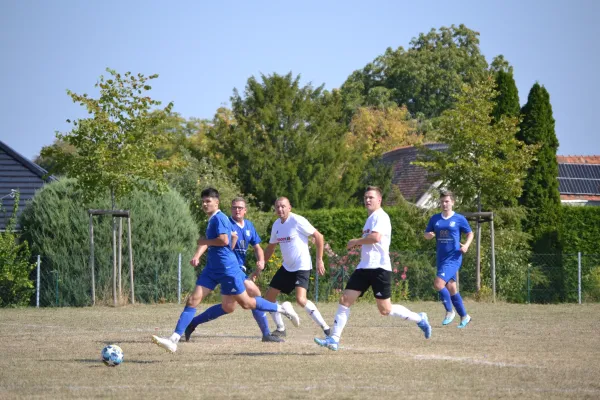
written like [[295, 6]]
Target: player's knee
[[301, 301], [228, 307], [246, 305], [384, 310]]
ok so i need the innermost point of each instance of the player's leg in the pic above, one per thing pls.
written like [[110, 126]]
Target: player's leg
[[356, 286], [258, 303], [218, 310], [439, 284], [302, 278], [260, 316], [282, 281], [458, 304], [381, 282], [201, 291]]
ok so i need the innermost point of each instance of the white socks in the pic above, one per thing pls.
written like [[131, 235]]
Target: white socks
[[404, 313], [174, 337], [278, 320], [341, 317], [312, 312]]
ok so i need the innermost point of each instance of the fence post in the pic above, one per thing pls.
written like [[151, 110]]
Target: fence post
[[528, 286], [179, 280], [493, 261], [56, 275], [316, 286], [579, 276], [37, 285]]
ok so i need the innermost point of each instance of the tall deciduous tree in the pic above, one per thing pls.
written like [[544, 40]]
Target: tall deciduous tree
[[115, 148], [540, 191], [424, 78], [483, 160], [287, 140]]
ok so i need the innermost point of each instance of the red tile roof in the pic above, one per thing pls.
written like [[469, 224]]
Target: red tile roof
[[578, 159]]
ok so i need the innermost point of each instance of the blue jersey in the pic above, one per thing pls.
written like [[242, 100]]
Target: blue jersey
[[247, 236], [447, 235], [219, 257]]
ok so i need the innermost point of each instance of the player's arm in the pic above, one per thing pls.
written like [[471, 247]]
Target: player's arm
[[196, 258], [465, 247], [429, 235], [260, 262], [269, 251], [371, 238], [220, 241], [320, 245], [234, 239]]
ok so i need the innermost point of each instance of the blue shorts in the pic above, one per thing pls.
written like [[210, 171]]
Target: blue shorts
[[448, 268], [231, 280]]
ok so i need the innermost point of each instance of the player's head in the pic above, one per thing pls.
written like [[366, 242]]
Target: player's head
[[446, 200], [210, 200], [373, 198], [283, 207], [238, 209]]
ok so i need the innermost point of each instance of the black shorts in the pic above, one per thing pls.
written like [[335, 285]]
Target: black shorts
[[379, 279], [285, 281]]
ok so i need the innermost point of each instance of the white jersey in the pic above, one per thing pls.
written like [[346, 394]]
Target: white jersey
[[377, 255], [292, 236]]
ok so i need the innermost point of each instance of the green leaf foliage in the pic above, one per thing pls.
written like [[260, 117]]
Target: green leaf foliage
[[287, 140], [507, 100], [424, 78], [540, 189], [114, 150], [15, 266], [56, 224], [483, 160]]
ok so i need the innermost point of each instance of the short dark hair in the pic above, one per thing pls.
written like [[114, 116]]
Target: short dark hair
[[235, 200], [375, 189], [210, 192], [446, 193]]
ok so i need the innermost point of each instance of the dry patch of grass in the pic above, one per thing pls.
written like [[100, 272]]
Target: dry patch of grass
[[508, 351]]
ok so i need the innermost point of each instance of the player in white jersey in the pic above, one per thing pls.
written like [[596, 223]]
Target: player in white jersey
[[292, 231], [374, 270]]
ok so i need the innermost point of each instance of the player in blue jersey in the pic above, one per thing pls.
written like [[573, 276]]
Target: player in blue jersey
[[447, 227], [222, 268], [246, 236]]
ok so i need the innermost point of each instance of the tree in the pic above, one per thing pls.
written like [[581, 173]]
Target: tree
[[116, 148], [286, 140], [483, 161], [424, 78], [507, 101], [540, 190], [15, 286], [378, 130]]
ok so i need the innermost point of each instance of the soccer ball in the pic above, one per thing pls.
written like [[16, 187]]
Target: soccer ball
[[112, 355]]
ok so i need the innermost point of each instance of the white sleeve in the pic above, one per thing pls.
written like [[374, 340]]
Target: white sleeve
[[273, 238], [303, 226], [381, 225]]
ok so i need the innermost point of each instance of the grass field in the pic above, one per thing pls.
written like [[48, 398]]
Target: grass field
[[508, 351]]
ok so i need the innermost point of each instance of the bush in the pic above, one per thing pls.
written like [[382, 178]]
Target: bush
[[15, 267], [56, 223]]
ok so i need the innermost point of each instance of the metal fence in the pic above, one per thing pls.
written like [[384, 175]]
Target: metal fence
[[540, 278]]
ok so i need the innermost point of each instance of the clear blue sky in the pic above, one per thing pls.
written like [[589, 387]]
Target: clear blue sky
[[204, 49]]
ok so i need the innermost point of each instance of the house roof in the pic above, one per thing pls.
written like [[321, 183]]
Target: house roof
[[578, 176], [410, 179], [30, 165]]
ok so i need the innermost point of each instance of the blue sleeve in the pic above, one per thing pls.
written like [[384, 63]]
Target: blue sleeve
[[430, 225], [254, 238], [223, 225], [464, 226]]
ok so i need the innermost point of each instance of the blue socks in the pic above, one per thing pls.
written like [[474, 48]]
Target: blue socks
[[209, 314], [445, 298], [264, 305], [261, 320], [184, 319], [458, 304]]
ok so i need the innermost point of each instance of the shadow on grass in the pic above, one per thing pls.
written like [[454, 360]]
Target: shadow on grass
[[99, 362], [266, 354]]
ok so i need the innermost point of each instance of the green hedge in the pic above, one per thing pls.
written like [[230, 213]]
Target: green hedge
[[580, 229], [56, 225]]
